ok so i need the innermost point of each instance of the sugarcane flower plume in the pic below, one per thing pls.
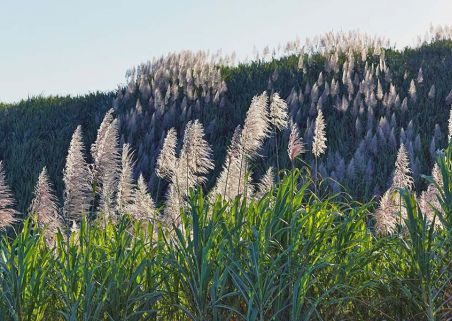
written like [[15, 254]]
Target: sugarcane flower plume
[[278, 112], [319, 143], [296, 145]]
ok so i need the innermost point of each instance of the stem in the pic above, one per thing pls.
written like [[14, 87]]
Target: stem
[[245, 186], [178, 190], [227, 177], [157, 192], [178, 194], [68, 232], [277, 152], [291, 192], [187, 175], [240, 173], [430, 308], [315, 177]]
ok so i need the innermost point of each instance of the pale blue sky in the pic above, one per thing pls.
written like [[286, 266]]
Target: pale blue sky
[[74, 47]]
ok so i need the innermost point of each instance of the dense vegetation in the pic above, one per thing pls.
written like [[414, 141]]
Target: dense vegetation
[[161, 95], [36, 133], [287, 256], [215, 191]]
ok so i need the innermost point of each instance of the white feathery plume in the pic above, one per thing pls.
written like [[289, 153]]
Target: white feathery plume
[[7, 212], [108, 167], [319, 144], [437, 175], [105, 172], [412, 91], [420, 76], [401, 178], [196, 154], [126, 186], [228, 179], [266, 184], [167, 168], [296, 145], [144, 207], [379, 91], [108, 119], [279, 119], [429, 202], [167, 160], [234, 146], [108, 157], [385, 217], [44, 206], [244, 145], [76, 178], [402, 172], [194, 163], [256, 126], [173, 205], [278, 112], [256, 129]]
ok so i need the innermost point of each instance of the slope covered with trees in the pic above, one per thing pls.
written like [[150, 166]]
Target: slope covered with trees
[[177, 202], [372, 99], [36, 133]]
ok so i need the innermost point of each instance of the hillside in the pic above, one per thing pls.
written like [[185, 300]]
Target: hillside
[[312, 182], [36, 133], [363, 92]]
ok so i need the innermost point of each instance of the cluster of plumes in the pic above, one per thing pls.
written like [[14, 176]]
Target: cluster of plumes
[[45, 207], [356, 86], [325, 44], [185, 171], [391, 210], [115, 191], [435, 33], [105, 189], [346, 41], [366, 93], [168, 92], [246, 142], [429, 202], [235, 177], [177, 88], [188, 168], [160, 80]]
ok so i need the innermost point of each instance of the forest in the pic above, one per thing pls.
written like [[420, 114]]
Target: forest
[[310, 182]]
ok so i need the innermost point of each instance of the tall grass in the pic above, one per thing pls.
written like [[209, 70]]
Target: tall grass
[[291, 255]]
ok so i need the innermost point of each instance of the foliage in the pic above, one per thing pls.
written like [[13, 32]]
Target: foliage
[[287, 256], [37, 131]]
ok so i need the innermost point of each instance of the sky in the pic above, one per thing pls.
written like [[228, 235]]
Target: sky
[[59, 47]]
